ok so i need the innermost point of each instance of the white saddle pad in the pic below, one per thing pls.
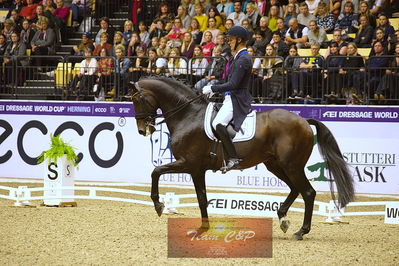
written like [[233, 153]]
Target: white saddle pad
[[247, 131]]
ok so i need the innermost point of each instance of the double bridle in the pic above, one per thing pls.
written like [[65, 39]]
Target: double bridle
[[149, 117]]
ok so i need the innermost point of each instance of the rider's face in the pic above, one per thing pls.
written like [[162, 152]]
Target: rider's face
[[232, 40]]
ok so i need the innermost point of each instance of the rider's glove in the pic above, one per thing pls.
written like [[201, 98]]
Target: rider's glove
[[207, 90]]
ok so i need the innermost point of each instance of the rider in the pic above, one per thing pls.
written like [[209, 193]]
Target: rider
[[237, 98]]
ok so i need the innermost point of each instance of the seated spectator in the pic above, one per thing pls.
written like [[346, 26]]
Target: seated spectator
[[9, 28], [316, 35], [289, 13], [144, 34], [157, 29], [295, 3], [195, 31], [342, 45], [49, 6], [226, 49], [380, 37], [127, 30], [365, 34], [262, 4], [43, 42], [376, 67], [201, 17], [17, 5], [197, 65], [207, 45], [392, 40], [121, 71], [187, 47], [214, 70], [154, 43], [347, 21], [212, 29], [246, 24], [103, 44], [135, 41], [105, 28], [224, 7], [308, 74], [138, 65], [304, 17], [281, 28], [253, 15], [206, 4], [183, 16], [388, 87], [271, 74], [13, 56], [365, 11], [273, 16], [279, 45], [61, 13], [17, 20], [27, 33], [119, 40], [228, 24], [85, 43], [325, 20], [176, 33], [41, 13], [163, 48], [86, 76], [297, 34], [80, 8], [353, 74], [177, 66], [260, 43], [105, 69], [277, 4], [237, 16], [291, 65], [355, 5], [214, 13], [264, 30], [154, 66], [3, 47], [28, 11], [164, 13], [334, 63], [312, 6], [385, 25]]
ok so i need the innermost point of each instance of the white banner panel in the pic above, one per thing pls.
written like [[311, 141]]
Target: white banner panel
[[106, 137], [392, 213]]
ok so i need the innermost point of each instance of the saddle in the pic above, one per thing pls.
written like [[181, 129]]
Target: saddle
[[246, 132]]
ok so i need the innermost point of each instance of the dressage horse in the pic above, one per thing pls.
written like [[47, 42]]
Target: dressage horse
[[283, 142]]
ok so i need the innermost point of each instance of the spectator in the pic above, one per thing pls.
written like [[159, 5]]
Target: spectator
[[376, 7], [312, 6], [121, 71], [274, 3], [80, 9], [246, 24], [183, 16], [226, 49], [9, 28], [144, 35], [388, 87], [224, 8], [86, 75], [365, 11], [353, 74], [261, 4], [206, 4], [228, 24], [335, 7], [385, 25], [177, 66], [157, 29], [260, 43], [214, 13], [304, 17], [28, 11], [376, 67], [297, 34], [294, 2], [163, 49], [272, 74], [281, 28], [27, 33], [365, 34], [316, 35], [41, 13], [187, 47], [61, 13], [214, 71], [155, 66], [104, 44], [13, 56], [334, 63], [253, 15], [85, 43], [43, 42], [255, 81], [355, 5], [273, 16], [155, 42], [164, 13], [105, 27], [265, 31], [347, 21], [104, 74], [17, 20], [324, 19], [195, 31], [292, 64], [139, 64], [197, 65], [189, 6], [279, 45], [135, 41], [48, 6], [201, 18], [207, 45], [289, 13], [342, 45], [212, 29], [17, 5], [237, 16], [176, 33], [127, 30], [119, 40], [3, 47], [380, 37]]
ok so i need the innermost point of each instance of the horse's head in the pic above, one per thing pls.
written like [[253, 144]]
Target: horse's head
[[145, 107]]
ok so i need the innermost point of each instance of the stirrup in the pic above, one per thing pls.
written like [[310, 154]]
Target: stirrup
[[231, 164]]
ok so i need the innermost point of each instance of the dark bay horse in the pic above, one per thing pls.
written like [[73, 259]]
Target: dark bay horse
[[283, 142]]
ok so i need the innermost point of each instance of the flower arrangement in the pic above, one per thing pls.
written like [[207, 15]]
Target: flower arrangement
[[58, 149]]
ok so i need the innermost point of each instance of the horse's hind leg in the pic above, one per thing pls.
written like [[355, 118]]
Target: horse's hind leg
[[282, 211]]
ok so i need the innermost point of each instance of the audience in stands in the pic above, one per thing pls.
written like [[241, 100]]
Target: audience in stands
[[104, 37], [43, 42], [85, 43], [105, 28]]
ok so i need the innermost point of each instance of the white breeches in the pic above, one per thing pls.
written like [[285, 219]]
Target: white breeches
[[225, 114]]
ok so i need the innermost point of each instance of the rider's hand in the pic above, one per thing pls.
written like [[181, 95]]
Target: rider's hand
[[207, 90]]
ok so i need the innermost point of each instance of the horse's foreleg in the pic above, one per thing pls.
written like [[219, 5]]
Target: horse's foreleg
[[200, 189], [174, 167]]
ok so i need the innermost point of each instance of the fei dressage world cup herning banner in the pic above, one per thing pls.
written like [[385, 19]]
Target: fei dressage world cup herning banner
[[106, 137]]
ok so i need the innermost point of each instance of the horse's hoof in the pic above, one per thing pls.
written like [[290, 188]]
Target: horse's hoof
[[159, 208], [284, 225], [297, 236]]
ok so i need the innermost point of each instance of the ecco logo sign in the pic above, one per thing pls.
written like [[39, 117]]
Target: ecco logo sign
[[8, 130]]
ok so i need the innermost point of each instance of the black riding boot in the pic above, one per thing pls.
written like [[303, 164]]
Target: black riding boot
[[233, 161]]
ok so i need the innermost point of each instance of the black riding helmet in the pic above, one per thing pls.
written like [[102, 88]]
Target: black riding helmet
[[239, 32]]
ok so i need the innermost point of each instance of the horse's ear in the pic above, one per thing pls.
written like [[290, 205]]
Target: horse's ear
[[132, 87]]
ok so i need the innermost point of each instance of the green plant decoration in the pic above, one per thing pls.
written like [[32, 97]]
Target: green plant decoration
[[57, 149]]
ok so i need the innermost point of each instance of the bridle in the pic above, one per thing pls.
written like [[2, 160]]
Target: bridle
[[149, 117]]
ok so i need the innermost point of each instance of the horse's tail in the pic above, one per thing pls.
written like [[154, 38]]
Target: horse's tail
[[337, 167]]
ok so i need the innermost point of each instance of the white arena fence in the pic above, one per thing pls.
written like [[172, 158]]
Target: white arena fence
[[22, 195]]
